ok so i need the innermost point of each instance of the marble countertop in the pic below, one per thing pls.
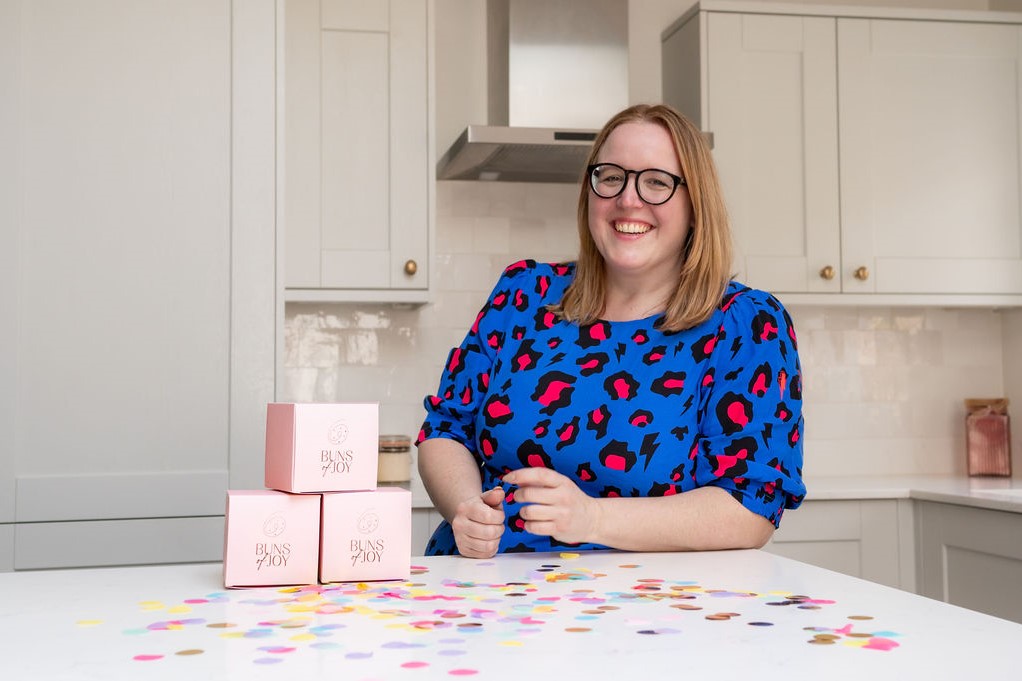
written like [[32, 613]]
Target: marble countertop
[[1000, 494], [585, 615]]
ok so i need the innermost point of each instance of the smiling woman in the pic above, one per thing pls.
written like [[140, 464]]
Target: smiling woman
[[635, 398]]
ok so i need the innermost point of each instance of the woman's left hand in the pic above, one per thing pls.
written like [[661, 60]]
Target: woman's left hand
[[554, 506]]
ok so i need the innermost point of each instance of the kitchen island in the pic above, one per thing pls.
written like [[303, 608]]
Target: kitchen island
[[722, 614]]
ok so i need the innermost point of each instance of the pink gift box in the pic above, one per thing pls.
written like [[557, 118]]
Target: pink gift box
[[271, 538], [322, 447], [366, 536]]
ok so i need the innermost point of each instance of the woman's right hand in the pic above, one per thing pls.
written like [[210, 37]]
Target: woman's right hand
[[478, 524]]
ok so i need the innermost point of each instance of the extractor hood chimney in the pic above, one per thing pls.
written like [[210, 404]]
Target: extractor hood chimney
[[557, 70]]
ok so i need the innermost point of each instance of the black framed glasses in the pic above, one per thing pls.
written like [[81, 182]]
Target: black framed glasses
[[653, 185]]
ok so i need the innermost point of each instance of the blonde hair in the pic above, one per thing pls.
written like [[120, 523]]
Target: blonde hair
[[706, 269]]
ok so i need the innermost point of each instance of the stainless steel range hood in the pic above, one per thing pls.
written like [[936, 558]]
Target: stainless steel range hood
[[557, 70]]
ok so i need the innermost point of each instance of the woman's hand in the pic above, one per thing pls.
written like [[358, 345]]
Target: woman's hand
[[478, 523], [554, 506]]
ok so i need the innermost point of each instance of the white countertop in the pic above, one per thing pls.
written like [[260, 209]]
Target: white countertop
[[1001, 494], [595, 615]]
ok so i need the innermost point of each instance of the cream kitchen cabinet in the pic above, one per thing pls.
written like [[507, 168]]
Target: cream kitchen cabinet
[[868, 538], [872, 154], [971, 557], [424, 521], [138, 299], [357, 186]]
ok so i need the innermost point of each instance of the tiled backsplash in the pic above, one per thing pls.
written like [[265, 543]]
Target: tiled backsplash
[[883, 386]]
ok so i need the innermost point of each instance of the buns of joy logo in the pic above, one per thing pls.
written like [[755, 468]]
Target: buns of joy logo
[[336, 459], [271, 553], [367, 549]]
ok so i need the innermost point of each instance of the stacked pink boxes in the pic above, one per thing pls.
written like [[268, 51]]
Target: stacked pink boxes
[[322, 517]]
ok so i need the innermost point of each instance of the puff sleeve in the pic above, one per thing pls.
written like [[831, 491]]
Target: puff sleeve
[[751, 408]]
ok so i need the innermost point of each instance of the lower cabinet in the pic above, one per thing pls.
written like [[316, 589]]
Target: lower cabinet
[[424, 521], [971, 557], [870, 538]]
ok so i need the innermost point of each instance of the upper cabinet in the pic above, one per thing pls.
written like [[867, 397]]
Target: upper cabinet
[[861, 155], [357, 186]]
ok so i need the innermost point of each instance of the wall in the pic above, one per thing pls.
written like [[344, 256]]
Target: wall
[[884, 386]]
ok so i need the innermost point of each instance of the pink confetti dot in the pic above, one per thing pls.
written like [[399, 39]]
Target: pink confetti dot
[[462, 672], [415, 665], [147, 658], [881, 644]]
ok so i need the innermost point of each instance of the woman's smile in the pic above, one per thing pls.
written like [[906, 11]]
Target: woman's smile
[[632, 227]]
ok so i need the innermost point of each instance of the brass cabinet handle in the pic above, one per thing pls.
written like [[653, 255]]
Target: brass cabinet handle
[[862, 273], [411, 267], [827, 273]]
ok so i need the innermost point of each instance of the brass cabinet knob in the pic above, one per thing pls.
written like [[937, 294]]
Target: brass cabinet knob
[[411, 267], [862, 273], [827, 273]]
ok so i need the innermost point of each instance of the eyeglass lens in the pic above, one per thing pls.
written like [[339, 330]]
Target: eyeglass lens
[[654, 186]]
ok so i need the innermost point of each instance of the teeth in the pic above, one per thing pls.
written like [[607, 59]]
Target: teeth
[[632, 227]]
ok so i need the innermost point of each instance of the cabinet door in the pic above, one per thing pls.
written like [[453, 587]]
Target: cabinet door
[[930, 159], [356, 176], [869, 538], [117, 242], [971, 557], [772, 110]]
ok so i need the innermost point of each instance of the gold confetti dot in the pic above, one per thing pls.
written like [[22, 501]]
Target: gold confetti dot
[[821, 642], [190, 651], [88, 623], [860, 617], [569, 556], [578, 630], [221, 625]]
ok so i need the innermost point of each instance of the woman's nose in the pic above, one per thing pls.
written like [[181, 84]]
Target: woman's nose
[[630, 195]]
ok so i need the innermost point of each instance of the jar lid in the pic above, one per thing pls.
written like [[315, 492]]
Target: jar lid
[[395, 443]]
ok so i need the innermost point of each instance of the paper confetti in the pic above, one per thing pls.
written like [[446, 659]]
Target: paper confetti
[[429, 628]]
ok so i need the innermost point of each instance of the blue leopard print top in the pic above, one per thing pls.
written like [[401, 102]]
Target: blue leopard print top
[[622, 408]]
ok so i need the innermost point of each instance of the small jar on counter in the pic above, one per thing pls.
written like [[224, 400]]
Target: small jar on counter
[[395, 462]]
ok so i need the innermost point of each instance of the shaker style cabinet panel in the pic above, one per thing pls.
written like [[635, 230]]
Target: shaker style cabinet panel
[[119, 392], [868, 538], [859, 155], [356, 181], [930, 156], [971, 557], [768, 97]]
